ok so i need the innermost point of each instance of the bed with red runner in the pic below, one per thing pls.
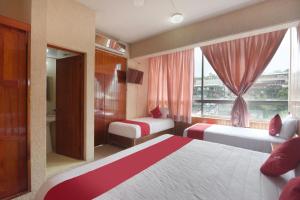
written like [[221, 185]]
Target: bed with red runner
[[145, 127], [169, 167], [197, 131], [248, 138], [127, 133]]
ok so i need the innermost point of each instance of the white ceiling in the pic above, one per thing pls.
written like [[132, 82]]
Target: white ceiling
[[122, 20]]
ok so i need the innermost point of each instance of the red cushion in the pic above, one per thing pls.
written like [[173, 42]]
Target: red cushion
[[291, 190], [283, 159], [275, 125], [156, 112]]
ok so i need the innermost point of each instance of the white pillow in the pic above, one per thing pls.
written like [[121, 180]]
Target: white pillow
[[289, 127], [164, 112]]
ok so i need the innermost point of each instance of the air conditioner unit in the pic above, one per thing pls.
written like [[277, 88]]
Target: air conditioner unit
[[109, 44]]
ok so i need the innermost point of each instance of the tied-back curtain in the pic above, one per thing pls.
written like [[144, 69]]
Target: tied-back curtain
[[239, 63], [171, 84], [294, 88]]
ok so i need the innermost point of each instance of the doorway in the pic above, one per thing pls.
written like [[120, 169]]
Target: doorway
[[65, 98]]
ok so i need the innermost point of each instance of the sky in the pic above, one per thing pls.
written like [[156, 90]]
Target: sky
[[279, 62]]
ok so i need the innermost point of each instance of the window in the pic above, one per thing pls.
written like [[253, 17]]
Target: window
[[267, 97], [216, 99], [269, 94]]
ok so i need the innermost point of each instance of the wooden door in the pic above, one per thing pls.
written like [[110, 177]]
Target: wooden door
[[114, 92], [13, 112], [69, 106]]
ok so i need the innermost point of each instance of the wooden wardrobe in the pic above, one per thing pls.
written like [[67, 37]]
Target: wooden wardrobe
[[14, 151], [110, 92]]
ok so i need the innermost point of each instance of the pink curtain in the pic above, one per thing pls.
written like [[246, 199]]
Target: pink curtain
[[171, 84], [239, 63]]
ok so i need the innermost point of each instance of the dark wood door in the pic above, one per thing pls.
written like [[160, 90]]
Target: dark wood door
[[113, 93], [13, 112], [69, 106]]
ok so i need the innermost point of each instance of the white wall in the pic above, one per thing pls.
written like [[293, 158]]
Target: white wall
[[72, 26], [255, 17], [16, 9], [37, 96], [68, 24]]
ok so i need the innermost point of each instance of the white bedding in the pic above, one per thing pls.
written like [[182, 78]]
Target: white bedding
[[248, 138], [198, 170], [134, 131]]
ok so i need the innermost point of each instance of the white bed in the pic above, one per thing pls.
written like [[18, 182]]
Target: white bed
[[248, 138], [198, 170], [134, 131]]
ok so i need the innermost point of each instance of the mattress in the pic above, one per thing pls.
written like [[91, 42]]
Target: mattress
[[248, 138], [134, 131], [199, 170]]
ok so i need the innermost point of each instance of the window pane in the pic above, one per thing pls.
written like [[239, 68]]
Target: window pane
[[271, 86], [196, 109], [266, 110], [217, 109], [198, 74], [213, 86], [214, 89], [197, 91]]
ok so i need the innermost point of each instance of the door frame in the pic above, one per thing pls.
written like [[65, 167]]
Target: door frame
[[83, 99]]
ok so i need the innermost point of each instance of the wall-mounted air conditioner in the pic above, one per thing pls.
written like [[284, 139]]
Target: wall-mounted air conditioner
[[109, 44]]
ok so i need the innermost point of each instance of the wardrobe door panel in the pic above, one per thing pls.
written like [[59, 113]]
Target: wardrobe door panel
[[13, 112], [114, 92], [121, 92], [100, 125]]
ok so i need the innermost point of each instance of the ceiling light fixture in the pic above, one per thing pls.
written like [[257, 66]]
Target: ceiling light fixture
[[176, 18]]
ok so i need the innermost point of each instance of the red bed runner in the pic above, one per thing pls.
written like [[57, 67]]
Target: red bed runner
[[145, 128], [197, 131], [101, 180]]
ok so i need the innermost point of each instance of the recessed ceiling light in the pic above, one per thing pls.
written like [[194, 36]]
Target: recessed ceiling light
[[176, 18], [138, 3]]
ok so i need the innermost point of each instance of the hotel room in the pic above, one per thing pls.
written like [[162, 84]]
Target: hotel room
[[149, 99]]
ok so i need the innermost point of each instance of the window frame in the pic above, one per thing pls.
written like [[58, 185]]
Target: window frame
[[202, 101]]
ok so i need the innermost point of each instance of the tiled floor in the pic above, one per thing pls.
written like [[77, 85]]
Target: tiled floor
[[103, 151], [58, 163]]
